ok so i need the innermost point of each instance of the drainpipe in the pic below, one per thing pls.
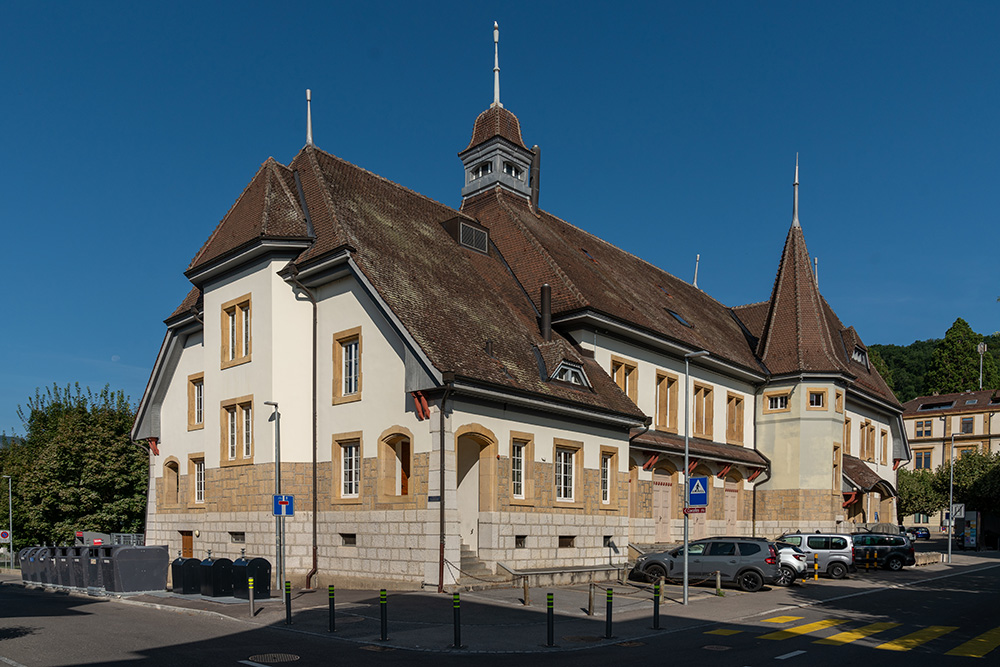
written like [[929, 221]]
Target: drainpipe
[[441, 482], [767, 470], [315, 482]]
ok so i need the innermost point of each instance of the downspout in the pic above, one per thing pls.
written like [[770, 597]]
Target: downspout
[[753, 509], [441, 482], [315, 482]]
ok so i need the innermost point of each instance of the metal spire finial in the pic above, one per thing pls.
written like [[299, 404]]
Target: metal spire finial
[[795, 195], [496, 65], [309, 118]]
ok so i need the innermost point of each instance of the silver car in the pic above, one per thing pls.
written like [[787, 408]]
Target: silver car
[[792, 563], [833, 551], [748, 562]]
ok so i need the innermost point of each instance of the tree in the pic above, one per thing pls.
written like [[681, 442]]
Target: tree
[[918, 493], [907, 366], [977, 481], [75, 468], [955, 363], [883, 369]]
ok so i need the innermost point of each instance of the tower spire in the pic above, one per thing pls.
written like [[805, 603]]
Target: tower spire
[[795, 195], [309, 118], [496, 65]]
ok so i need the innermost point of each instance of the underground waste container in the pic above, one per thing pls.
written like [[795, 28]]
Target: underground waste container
[[131, 569], [47, 566], [78, 564], [29, 570], [60, 558], [216, 577], [186, 575], [258, 569]]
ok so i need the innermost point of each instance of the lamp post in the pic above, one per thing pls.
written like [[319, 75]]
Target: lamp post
[[981, 348], [279, 533], [951, 495], [10, 523], [687, 430]]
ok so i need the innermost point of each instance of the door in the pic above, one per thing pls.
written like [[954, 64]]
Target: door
[[731, 505], [696, 561], [468, 491], [663, 508], [721, 557], [187, 544]]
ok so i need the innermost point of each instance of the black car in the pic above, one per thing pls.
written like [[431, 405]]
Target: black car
[[883, 550]]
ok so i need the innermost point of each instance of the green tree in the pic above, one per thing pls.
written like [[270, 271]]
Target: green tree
[[883, 369], [977, 481], [918, 493], [75, 468], [907, 365], [955, 364]]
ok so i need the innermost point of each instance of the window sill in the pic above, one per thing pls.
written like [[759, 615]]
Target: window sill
[[347, 501], [239, 361], [522, 502], [665, 429], [734, 441], [236, 462], [340, 400], [197, 506], [568, 504], [196, 427]]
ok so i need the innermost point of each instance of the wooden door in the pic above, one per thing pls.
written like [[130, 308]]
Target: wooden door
[[662, 506], [731, 504], [187, 544]]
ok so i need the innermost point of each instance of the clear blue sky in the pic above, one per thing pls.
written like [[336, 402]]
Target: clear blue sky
[[670, 129]]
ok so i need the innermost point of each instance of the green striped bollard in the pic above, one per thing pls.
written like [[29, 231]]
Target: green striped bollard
[[456, 605], [383, 604], [607, 621], [550, 620], [288, 603], [656, 606], [333, 622]]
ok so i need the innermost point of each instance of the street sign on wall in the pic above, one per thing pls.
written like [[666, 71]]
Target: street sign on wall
[[697, 491], [284, 505]]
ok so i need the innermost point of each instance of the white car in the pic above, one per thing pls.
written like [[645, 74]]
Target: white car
[[791, 564]]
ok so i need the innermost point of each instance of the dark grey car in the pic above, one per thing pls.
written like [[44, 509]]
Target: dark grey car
[[883, 550], [747, 562]]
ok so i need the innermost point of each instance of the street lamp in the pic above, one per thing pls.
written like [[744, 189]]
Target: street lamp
[[951, 495], [279, 525], [10, 523], [687, 430]]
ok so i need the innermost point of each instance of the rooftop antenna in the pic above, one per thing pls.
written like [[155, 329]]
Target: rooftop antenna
[[496, 66], [816, 270], [697, 259], [795, 195], [309, 118]]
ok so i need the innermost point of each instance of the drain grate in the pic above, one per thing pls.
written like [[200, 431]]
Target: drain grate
[[376, 647], [274, 657], [716, 647], [582, 639], [631, 644]]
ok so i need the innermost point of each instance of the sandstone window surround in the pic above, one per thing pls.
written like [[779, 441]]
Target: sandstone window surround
[[923, 428], [626, 376], [196, 401], [734, 419], [837, 462], [347, 461], [237, 336], [777, 401], [884, 436], [196, 473], [817, 399], [847, 435], [522, 480], [839, 401], [395, 466], [609, 478], [236, 431], [922, 459], [171, 483], [567, 457], [666, 402], [703, 412], [347, 355]]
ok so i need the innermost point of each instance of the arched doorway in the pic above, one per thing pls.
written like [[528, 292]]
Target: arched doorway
[[663, 504], [475, 455], [731, 503], [698, 523]]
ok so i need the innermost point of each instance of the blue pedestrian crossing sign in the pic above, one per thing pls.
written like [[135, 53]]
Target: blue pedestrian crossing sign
[[284, 505], [698, 492]]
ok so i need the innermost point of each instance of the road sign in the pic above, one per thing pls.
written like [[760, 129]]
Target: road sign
[[958, 510], [284, 505], [4, 536], [697, 492], [694, 510]]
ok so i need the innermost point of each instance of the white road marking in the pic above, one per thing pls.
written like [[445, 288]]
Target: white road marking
[[789, 655], [8, 661]]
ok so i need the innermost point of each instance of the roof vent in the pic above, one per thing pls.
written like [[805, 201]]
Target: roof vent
[[860, 356], [473, 237], [677, 317], [571, 373]]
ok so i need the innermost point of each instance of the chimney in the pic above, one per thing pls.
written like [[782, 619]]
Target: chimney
[[536, 166], [546, 312]]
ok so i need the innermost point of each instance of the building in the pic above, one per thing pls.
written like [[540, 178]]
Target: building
[[489, 383], [969, 421]]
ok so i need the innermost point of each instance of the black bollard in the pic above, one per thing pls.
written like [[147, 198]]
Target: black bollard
[[383, 604], [551, 620], [458, 621], [288, 603], [656, 606], [607, 622], [333, 622]]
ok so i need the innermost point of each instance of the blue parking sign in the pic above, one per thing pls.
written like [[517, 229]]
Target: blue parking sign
[[284, 505], [697, 491]]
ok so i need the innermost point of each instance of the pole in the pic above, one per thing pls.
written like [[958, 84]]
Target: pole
[[550, 621], [656, 605], [10, 522], [333, 622], [383, 613], [687, 472], [250, 591], [607, 620], [279, 569], [288, 603], [456, 604], [951, 494]]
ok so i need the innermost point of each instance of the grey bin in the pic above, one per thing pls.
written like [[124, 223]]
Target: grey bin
[[64, 577], [29, 566], [216, 577], [127, 569], [78, 567], [48, 566], [186, 575], [106, 569], [92, 565], [259, 570]]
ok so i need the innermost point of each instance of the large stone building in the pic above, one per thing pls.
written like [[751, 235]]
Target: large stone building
[[489, 383]]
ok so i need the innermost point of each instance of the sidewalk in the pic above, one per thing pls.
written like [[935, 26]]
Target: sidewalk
[[497, 621]]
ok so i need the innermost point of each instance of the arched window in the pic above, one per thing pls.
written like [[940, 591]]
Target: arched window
[[171, 483]]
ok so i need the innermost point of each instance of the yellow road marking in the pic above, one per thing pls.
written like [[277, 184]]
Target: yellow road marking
[[724, 632], [917, 638], [803, 629], [978, 647], [783, 619], [854, 635]]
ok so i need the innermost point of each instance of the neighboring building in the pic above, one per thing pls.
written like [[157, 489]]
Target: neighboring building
[[489, 383], [970, 420]]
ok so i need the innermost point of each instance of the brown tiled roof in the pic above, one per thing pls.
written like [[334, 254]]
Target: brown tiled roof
[[858, 473], [268, 207], [699, 448], [496, 122], [983, 402], [192, 300]]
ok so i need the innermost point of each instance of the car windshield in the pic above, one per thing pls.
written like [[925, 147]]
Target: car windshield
[[786, 545]]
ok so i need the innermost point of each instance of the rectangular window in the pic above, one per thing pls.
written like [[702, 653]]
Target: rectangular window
[[921, 518], [347, 351], [734, 419], [237, 537], [922, 460], [962, 451], [923, 428], [564, 473], [666, 402], [247, 431], [777, 401], [196, 401], [837, 481], [626, 376], [885, 447], [702, 426], [237, 340], [606, 460], [517, 469], [840, 401], [350, 469], [233, 435], [567, 541], [817, 399], [199, 481], [349, 539], [967, 424], [236, 424], [847, 436]]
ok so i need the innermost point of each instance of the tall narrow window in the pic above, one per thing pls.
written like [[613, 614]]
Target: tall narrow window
[[199, 481], [350, 464], [247, 431], [351, 367], [564, 473], [231, 417], [517, 468], [734, 419], [237, 340], [702, 426], [232, 335], [196, 401], [236, 421], [967, 424], [626, 376], [347, 354], [885, 448], [606, 460], [199, 402], [245, 313], [666, 402], [837, 482], [847, 435]]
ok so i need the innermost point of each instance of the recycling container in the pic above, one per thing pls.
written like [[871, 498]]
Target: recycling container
[[216, 577], [258, 569]]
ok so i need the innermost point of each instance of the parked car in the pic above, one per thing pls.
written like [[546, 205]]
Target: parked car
[[835, 551], [745, 561], [919, 533], [888, 551], [792, 563]]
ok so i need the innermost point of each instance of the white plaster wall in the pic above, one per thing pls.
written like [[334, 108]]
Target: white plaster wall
[[290, 366], [175, 438], [859, 413]]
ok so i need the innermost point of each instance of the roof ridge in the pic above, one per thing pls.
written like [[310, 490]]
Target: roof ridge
[[293, 199], [339, 228], [750, 305]]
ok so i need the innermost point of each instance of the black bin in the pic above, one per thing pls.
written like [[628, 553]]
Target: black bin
[[131, 569], [216, 577], [186, 575], [106, 567], [257, 569], [64, 576], [29, 567], [92, 565], [78, 567], [47, 566]]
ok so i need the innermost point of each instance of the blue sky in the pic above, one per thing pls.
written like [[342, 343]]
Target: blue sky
[[670, 129]]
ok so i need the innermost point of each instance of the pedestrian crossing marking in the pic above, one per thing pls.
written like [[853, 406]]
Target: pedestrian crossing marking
[[917, 638], [783, 619], [788, 633], [854, 635], [979, 646], [725, 632]]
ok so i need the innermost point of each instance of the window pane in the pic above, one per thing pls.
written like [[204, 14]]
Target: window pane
[[247, 432], [517, 470], [351, 469], [605, 478], [199, 481], [232, 335], [199, 396], [350, 352], [231, 415], [564, 474], [246, 330]]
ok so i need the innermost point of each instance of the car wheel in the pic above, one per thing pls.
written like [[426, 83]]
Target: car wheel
[[895, 563], [654, 571], [751, 581], [786, 576], [837, 570]]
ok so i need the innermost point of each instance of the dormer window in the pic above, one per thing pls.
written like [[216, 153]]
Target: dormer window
[[860, 356], [513, 170], [481, 170], [571, 373], [473, 237]]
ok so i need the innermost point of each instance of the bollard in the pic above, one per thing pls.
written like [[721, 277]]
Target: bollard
[[875, 565], [288, 603], [550, 620], [527, 600], [656, 606], [458, 621], [383, 603], [250, 582], [333, 622], [590, 600], [815, 567], [663, 582], [607, 621], [718, 583]]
